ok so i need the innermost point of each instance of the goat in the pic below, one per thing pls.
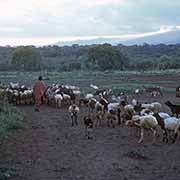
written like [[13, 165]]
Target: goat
[[144, 122], [155, 107], [91, 105], [175, 109], [168, 124], [99, 110], [113, 113], [88, 126], [104, 102], [74, 110], [58, 98]]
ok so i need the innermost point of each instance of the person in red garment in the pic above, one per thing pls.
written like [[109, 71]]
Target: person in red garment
[[38, 90]]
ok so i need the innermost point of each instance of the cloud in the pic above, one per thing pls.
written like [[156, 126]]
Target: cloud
[[101, 2], [62, 18]]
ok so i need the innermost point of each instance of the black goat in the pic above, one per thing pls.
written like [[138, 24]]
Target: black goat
[[175, 109]]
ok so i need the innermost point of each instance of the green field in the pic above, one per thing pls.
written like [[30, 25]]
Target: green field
[[117, 80]]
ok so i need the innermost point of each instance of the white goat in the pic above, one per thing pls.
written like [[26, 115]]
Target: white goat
[[58, 100], [144, 122]]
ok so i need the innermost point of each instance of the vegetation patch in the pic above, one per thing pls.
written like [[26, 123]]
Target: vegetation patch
[[10, 118], [137, 154], [7, 173]]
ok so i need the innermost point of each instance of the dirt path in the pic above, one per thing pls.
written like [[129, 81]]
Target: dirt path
[[48, 148]]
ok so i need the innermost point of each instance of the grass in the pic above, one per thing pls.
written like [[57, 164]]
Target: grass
[[117, 80], [10, 119]]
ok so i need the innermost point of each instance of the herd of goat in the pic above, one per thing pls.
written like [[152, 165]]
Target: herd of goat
[[103, 105]]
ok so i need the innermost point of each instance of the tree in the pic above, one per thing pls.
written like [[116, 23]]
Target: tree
[[26, 58], [106, 57]]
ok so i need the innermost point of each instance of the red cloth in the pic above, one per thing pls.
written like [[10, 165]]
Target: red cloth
[[39, 89]]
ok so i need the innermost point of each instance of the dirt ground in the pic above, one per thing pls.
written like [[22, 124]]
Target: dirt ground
[[48, 148]]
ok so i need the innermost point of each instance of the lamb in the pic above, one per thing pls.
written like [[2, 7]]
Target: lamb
[[74, 110], [144, 122], [88, 126]]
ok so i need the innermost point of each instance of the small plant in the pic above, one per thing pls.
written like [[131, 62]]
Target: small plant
[[137, 155], [7, 173]]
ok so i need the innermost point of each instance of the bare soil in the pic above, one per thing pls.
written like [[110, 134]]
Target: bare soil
[[48, 148]]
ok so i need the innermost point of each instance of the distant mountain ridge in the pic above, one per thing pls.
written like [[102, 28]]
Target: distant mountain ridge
[[169, 37]]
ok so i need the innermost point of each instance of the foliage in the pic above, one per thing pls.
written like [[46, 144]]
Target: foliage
[[93, 57], [106, 57], [26, 58]]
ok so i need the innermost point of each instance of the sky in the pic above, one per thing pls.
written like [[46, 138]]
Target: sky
[[48, 21]]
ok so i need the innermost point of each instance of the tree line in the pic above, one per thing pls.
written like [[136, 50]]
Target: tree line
[[95, 57]]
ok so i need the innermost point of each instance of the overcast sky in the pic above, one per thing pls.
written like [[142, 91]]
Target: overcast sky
[[51, 20]]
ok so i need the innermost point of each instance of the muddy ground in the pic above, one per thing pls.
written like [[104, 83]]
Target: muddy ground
[[48, 148]]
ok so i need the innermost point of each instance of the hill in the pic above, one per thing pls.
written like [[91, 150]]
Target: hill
[[168, 37]]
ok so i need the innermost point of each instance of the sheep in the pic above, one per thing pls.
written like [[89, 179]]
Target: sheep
[[74, 110], [144, 122], [88, 126]]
